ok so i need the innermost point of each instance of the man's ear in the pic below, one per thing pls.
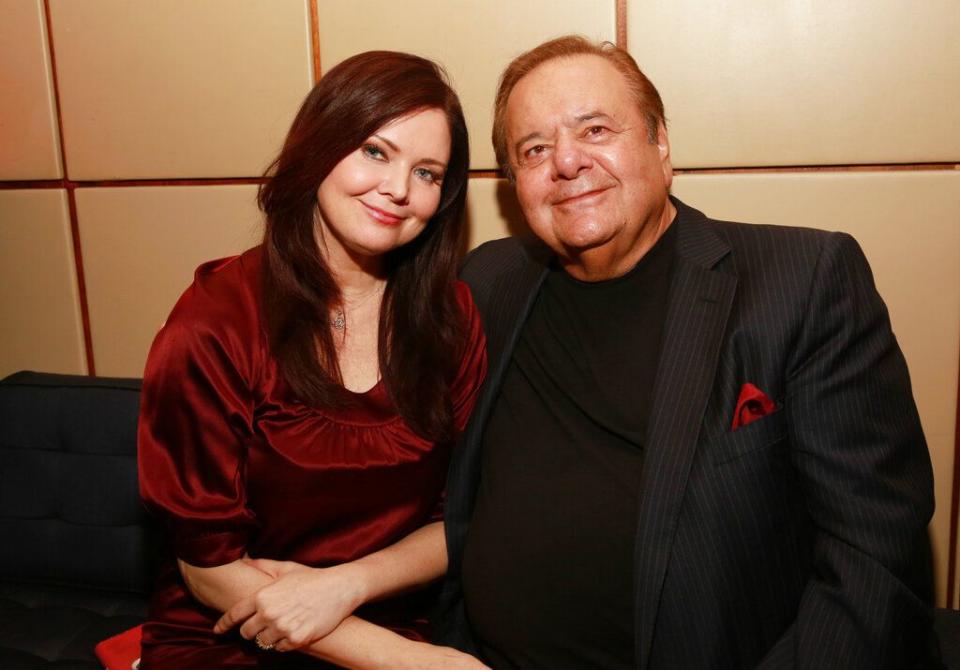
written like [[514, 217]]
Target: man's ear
[[663, 147], [663, 141]]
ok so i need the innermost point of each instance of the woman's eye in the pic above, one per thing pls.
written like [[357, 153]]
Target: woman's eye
[[373, 151], [428, 175]]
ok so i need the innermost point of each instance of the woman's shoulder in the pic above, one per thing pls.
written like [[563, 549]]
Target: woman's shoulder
[[232, 277], [216, 321], [464, 296], [223, 287], [468, 306], [222, 302]]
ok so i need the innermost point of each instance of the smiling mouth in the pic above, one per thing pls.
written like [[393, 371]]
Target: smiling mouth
[[382, 216], [580, 197]]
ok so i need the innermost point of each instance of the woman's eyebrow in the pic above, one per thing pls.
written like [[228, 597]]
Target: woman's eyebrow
[[387, 142], [432, 161]]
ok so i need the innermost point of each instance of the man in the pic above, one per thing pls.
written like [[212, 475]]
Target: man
[[697, 445]]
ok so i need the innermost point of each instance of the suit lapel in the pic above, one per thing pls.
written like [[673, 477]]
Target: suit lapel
[[700, 301], [511, 300], [508, 305]]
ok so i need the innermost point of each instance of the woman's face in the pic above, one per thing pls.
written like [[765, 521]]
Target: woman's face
[[381, 195]]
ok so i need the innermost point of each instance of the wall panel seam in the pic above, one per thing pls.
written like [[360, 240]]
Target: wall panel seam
[[315, 39], [838, 167], [81, 282], [475, 173], [621, 24], [71, 199], [954, 510]]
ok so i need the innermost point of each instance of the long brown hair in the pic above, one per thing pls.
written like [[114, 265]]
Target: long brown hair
[[421, 325]]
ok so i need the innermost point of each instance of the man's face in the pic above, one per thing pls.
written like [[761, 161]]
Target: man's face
[[591, 184]]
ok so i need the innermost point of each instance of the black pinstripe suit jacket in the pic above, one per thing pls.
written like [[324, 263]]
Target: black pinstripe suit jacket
[[796, 541]]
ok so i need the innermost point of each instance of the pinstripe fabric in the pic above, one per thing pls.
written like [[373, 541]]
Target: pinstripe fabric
[[795, 541]]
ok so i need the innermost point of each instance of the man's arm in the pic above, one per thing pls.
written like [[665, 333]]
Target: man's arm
[[859, 449]]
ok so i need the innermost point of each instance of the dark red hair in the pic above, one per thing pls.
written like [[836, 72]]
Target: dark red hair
[[421, 325]]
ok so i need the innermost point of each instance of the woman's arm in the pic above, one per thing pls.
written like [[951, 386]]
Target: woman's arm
[[414, 561], [305, 604], [223, 586], [353, 643], [361, 645]]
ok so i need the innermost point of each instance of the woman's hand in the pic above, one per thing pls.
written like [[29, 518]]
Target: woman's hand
[[301, 606]]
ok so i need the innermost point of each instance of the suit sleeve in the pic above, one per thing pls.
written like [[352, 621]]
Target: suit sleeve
[[865, 474]]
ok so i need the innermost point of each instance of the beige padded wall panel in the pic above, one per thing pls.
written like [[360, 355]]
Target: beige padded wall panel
[[908, 224], [492, 211], [473, 39], [178, 88], [39, 302], [29, 139], [798, 83], [140, 248]]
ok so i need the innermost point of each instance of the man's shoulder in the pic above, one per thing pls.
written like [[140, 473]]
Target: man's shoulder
[[501, 258], [765, 243], [738, 233]]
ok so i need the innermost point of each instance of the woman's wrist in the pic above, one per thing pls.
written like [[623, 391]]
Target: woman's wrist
[[356, 581]]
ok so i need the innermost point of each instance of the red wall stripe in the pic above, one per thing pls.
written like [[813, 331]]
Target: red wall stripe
[[954, 513], [81, 281], [621, 24], [72, 203], [315, 39]]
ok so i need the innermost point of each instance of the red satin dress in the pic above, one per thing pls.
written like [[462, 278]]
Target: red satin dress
[[234, 465]]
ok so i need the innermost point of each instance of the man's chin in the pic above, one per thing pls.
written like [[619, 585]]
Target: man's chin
[[588, 241]]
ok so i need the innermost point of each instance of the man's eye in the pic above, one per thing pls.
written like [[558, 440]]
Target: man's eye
[[373, 151], [535, 151], [596, 131], [428, 175]]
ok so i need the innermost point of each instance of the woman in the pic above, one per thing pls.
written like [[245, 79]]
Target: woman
[[300, 402]]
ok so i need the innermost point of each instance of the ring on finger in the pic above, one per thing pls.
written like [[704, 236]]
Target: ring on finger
[[261, 645]]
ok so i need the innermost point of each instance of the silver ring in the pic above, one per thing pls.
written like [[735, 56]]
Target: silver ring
[[261, 645]]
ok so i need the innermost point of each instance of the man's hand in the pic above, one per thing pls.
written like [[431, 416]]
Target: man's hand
[[300, 606]]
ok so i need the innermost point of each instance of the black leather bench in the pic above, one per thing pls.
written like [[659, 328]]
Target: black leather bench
[[78, 551]]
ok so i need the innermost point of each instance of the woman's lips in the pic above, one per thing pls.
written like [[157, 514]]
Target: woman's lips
[[381, 216]]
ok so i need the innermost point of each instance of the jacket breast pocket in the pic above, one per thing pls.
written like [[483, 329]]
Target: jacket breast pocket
[[762, 433]]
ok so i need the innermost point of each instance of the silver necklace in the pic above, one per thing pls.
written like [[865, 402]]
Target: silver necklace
[[339, 319]]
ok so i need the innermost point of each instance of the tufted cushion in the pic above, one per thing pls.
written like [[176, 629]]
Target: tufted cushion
[[947, 624], [78, 555]]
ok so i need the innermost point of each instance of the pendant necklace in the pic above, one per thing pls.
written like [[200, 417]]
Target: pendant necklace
[[339, 319]]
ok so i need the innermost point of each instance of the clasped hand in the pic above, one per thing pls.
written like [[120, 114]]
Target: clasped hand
[[300, 606]]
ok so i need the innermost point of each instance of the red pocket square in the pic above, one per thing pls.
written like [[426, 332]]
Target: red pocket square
[[752, 404], [120, 651]]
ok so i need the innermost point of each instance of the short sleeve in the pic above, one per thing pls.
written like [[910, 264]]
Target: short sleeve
[[473, 362], [195, 420]]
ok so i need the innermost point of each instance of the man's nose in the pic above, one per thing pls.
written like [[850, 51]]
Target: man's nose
[[570, 158], [394, 185]]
